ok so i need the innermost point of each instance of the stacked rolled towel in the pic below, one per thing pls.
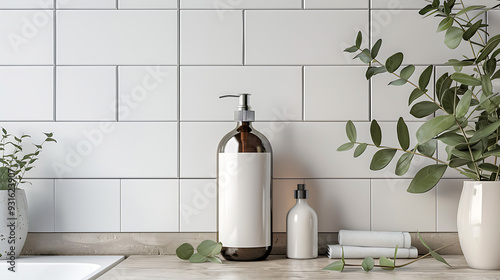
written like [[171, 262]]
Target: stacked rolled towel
[[362, 244]]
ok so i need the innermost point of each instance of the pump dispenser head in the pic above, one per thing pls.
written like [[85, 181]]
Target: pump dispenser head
[[301, 192], [243, 114]]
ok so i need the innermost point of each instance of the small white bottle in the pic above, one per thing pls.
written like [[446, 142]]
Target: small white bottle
[[301, 228]]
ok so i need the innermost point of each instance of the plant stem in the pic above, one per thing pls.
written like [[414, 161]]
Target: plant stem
[[405, 264], [470, 150]]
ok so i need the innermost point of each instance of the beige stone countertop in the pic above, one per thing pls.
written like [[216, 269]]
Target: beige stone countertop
[[279, 267]]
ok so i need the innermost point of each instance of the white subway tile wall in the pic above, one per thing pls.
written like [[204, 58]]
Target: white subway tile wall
[[130, 89]]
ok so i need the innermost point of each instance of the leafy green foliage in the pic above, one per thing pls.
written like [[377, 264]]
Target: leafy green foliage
[[464, 108], [16, 159], [206, 251]]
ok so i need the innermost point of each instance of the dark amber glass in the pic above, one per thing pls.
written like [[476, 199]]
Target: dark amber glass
[[245, 139]]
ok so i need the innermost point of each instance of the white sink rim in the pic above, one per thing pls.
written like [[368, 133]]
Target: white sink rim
[[102, 263]]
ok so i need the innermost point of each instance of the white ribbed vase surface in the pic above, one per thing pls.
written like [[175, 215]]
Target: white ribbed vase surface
[[478, 222]]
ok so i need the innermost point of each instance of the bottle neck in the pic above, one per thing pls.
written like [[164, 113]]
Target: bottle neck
[[301, 201]]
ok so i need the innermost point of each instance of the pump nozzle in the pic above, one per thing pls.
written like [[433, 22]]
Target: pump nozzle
[[301, 192], [243, 113]]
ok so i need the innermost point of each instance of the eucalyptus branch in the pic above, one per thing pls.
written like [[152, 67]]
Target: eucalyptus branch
[[417, 87], [410, 152]]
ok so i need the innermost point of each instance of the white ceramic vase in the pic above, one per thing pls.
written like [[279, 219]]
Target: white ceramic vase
[[478, 222], [20, 231]]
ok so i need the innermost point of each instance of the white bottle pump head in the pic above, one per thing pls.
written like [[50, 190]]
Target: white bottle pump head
[[243, 114]]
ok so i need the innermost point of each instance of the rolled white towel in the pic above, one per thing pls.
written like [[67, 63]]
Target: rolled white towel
[[375, 238], [355, 252]]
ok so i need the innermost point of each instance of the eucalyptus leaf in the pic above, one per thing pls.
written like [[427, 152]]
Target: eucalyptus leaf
[[425, 77], [423, 109], [376, 48], [433, 127], [386, 263], [488, 167], [469, 9], [382, 158], [486, 85], [345, 147], [464, 104], [485, 131], [457, 162], [465, 79], [426, 178], [185, 251], [426, 9], [351, 49], [214, 260], [368, 264], [376, 133], [446, 23], [438, 257], [206, 247], [197, 258], [372, 71], [403, 134], [490, 46], [407, 72], [350, 130], [451, 138], [415, 94], [360, 149], [335, 266], [472, 30], [393, 62], [403, 164], [453, 37], [398, 82], [490, 66], [455, 62], [364, 56], [359, 39], [428, 148]]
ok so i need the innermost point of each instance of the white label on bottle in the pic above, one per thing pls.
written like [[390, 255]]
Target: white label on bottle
[[245, 199]]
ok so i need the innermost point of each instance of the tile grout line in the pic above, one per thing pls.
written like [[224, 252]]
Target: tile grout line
[[243, 33], [178, 114], [371, 203], [303, 93], [370, 91], [117, 85], [54, 201], [120, 205], [54, 70]]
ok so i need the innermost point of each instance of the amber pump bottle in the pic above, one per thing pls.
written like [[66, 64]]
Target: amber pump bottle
[[244, 181]]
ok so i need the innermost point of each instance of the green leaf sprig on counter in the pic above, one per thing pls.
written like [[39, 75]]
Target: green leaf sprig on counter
[[466, 105], [15, 160], [385, 263], [206, 251]]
